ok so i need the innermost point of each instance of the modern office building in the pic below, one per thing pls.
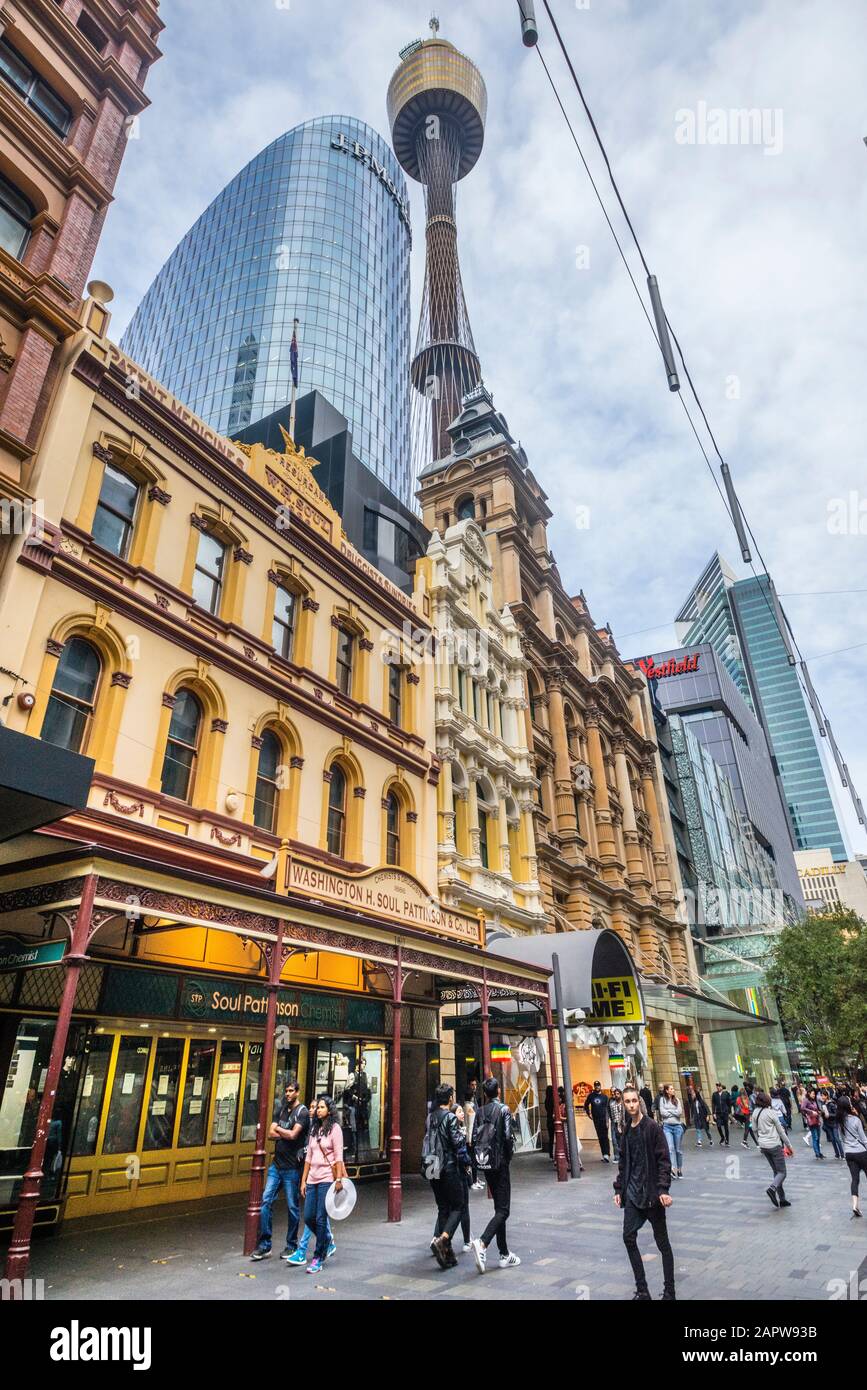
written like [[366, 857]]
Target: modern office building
[[315, 228], [739, 619], [694, 683]]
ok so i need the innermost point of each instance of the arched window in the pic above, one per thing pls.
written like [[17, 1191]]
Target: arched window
[[182, 747], [69, 712], [16, 215], [465, 509], [267, 798], [209, 572], [392, 828], [115, 511], [285, 619], [337, 811]]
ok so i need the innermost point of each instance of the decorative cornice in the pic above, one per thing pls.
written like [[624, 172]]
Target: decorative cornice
[[101, 452], [309, 605], [219, 726], [169, 700], [296, 763], [54, 648], [158, 494], [412, 678], [360, 792], [242, 556], [365, 644], [198, 522], [256, 742], [123, 679]]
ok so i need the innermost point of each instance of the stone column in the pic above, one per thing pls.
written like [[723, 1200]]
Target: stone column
[[634, 864], [660, 854], [564, 801], [649, 943], [473, 817], [604, 825], [505, 864], [446, 833]]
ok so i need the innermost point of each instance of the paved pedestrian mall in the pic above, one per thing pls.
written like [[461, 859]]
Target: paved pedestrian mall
[[729, 1243]]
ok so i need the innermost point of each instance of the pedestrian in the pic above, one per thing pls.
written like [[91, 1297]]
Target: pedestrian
[[743, 1111], [700, 1117], [671, 1118], [654, 1108], [828, 1107], [445, 1161], [786, 1097], [641, 1189], [721, 1103], [466, 1177], [854, 1146], [596, 1106], [859, 1103], [773, 1143], [779, 1106], [617, 1116], [495, 1144], [323, 1165], [647, 1099], [800, 1095], [290, 1132], [813, 1120]]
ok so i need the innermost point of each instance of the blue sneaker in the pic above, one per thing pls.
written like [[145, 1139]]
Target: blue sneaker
[[314, 1267], [332, 1250], [298, 1257]]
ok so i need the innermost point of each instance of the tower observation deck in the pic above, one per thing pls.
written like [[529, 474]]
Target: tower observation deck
[[437, 105]]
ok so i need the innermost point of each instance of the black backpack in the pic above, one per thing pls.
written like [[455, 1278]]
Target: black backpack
[[487, 1137], [433, 1149]]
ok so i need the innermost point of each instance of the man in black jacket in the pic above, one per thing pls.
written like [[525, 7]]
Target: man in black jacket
[[495, 1118], [596, 1106], [721, 1104], [641, 1189]]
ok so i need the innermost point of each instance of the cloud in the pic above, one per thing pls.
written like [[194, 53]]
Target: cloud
[[759, 257]]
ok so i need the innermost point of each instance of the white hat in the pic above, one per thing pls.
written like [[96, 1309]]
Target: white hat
[[341, 1204]]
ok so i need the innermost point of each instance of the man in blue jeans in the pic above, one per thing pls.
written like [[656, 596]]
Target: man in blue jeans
[[290, 1132]]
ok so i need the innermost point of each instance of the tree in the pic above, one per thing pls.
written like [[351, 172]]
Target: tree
[[818, 970]]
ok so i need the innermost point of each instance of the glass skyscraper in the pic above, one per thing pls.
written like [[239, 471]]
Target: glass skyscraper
[[316, 227], [736, 617]]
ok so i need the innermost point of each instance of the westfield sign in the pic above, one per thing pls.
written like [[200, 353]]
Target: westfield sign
[[671, 667]]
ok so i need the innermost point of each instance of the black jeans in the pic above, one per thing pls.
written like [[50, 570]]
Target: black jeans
[[465, 1212], [601, 1127], [450, 1195], [500, 1184], [633, 1219], [857, 1164], [722, 1128]]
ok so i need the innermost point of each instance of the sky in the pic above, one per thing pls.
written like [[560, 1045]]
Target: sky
[[755, 229]]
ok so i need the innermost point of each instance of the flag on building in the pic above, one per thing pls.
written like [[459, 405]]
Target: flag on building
[[616, 1059], [501, 1054], [293, 354]]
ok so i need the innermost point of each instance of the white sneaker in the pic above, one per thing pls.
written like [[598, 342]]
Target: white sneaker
[[509, 1261], [480, 1255], [478, 1187], [467, 1247]]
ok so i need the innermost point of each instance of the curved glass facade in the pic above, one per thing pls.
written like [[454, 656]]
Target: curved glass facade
[[316, 228]]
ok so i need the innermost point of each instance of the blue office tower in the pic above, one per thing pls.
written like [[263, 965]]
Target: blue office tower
[[316, 227]]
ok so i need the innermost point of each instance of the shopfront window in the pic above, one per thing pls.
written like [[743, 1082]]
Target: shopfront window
[[162, 1104], [353, 1074], [19, 1110], [95, 1075], [250, 1111], [124, 1110], [286, 1070], [197, 1094], [226, 1095]]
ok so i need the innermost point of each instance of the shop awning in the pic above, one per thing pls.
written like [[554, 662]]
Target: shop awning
[[38, 782], [597, 972], [682, 1005]]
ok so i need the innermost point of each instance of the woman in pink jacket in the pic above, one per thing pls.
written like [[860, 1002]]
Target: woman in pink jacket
[[322, 1166]]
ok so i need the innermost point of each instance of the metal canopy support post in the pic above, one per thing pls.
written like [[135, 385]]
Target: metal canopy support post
[[564, 1053], [275, 955], [395, 1144]]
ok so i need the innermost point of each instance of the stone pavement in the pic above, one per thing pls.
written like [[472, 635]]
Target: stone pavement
[[730, 1244]]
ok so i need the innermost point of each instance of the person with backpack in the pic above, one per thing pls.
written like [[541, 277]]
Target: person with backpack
[[828, 1107], [445, 1163], [774, 1144], [494, 1144], [744, 1110], [854, 1142], [786, 1097], [813, 1120], [721, 1104], [465, 1117], [641, 1191], [290, 1132]]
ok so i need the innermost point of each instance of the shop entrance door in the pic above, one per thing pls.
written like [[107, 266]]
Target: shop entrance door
[[353, 1073]]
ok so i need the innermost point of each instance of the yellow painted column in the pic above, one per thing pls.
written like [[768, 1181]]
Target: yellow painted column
[[563, 789], [604, 824]]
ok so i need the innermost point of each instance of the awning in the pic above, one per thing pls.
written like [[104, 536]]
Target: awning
[[682, 1005], [597, 972], [38, 782]]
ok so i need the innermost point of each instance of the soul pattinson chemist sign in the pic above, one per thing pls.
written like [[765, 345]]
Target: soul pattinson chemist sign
[[386, 893]]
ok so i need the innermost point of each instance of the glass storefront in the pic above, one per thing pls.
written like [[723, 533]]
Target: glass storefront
[[353, 1074], [22, 1096]]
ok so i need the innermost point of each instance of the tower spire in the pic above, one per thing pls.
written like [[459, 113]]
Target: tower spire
[[437, 105]]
